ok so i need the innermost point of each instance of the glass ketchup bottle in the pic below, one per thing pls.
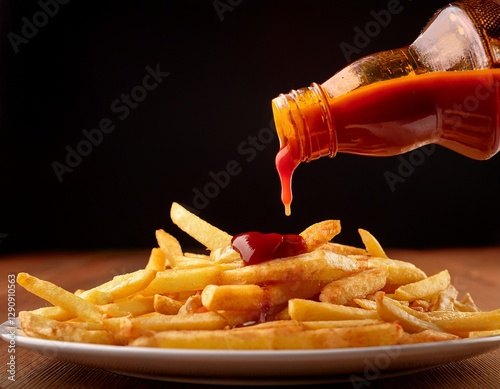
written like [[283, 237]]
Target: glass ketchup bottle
[[442, 89]]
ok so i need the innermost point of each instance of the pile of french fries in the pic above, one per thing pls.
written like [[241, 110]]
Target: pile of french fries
[[332, 296]]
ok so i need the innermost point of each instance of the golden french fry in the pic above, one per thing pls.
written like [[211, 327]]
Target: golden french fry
[[308, 310], [281, 292], [136, 306], [371, 244], [459, 322], [291, 336], [425, 288], [180, 280], [242, 318], [166, 305], [479, 334], [123, 285], [157, 260], [317, 265], [205, 233], [320, 233], [60, 297], [55, 313], [420, 305], [225, 255], [196, 321], [398, 272], [313, 325], [343, 249], [167, 243], [427, 336], [190, 262], [467, 304], [233, 297], [282, 314], [95, 296], [192, 305], [391, 310], [444, 300], [365, 303], [45, 328], [359, 285]]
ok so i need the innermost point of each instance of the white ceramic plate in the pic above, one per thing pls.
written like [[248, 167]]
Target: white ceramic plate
[[257, 367]]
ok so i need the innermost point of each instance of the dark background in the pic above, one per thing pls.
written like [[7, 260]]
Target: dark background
[[226, 60]]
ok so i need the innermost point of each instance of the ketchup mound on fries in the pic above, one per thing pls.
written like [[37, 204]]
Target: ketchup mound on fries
[[256, 247]]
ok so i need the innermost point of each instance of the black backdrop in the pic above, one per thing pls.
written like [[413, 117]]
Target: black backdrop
[[201, 122]]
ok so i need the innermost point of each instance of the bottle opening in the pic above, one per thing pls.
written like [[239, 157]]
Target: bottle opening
[[306, 132]]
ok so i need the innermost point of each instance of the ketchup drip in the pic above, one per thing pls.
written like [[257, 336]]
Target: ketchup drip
[[286, 165], [256, 247]]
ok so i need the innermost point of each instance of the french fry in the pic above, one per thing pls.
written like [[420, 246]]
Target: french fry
[[186, 262], [157, 260], [444, 300], [55, 313], [205, 233], [459, 322], [166, 305], [398, 272], [372, 245], [391, 310], [358, 285], [136, 306], [180, 280], [45, 328], [123, 286], [366, 303], [192, 305], [167, 243], [425, 288], [308, 310], [243, 318], [60, 297], [292, 336], [317, 265], [281, 292], [198, 321], [343, 249], [479, 334], [320, 233], [225, 255], [427, 336], [253, 297], [467, 304], [95, 296], [233, 297], [313, 325]]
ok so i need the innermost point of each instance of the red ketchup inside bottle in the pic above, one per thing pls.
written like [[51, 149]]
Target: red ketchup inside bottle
[[257, 247]]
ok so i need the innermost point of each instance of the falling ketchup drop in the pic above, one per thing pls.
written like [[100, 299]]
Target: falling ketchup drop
[[256, 247], [286, 163]]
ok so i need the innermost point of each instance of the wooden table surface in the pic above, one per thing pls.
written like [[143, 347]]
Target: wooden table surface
[[474, 270]]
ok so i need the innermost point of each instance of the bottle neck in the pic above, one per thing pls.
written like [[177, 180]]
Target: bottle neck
[[304, 124]]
